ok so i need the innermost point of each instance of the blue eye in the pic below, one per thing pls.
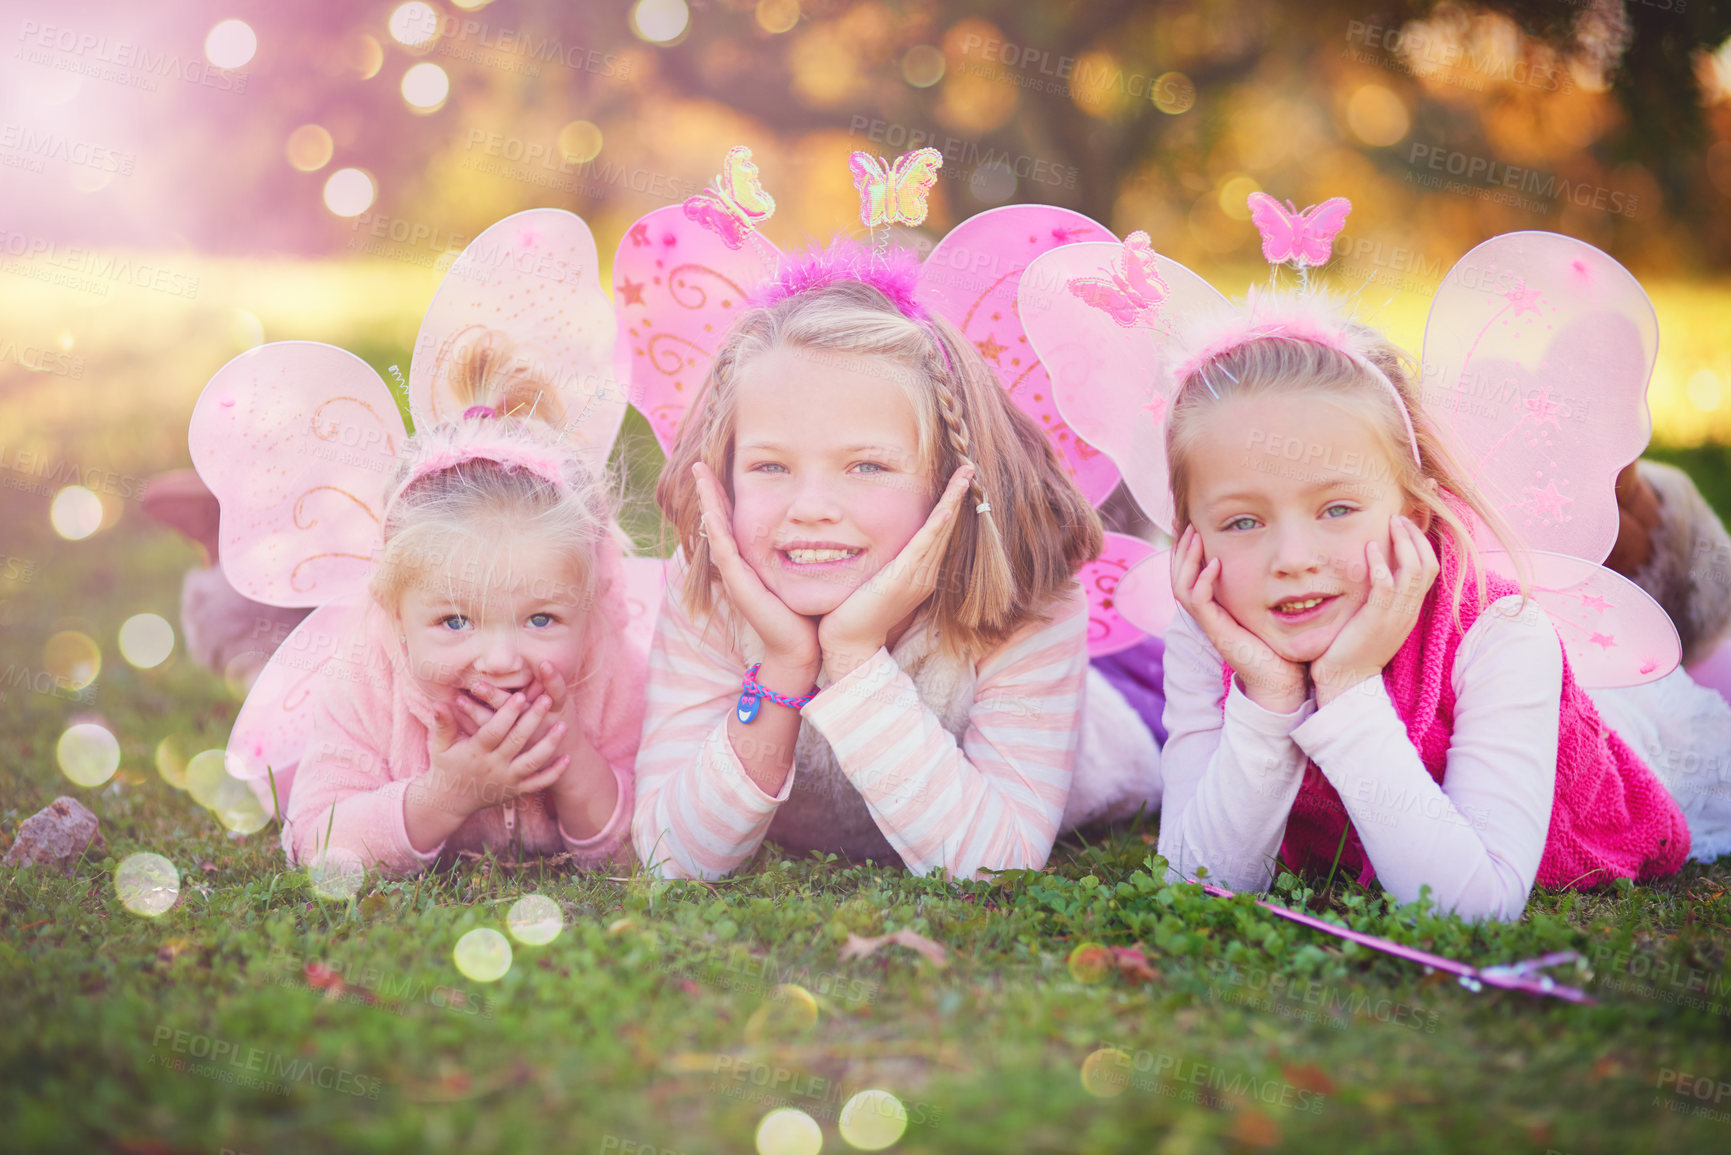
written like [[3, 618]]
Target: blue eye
[[1342, 507], [540, 621], [1240, 523], [454, 622], [871, 467]]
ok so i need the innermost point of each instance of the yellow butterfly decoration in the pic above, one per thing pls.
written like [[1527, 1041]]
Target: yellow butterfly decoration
[[737, 204], [891, 194]]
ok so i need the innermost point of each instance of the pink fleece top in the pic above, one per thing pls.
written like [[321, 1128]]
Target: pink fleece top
[[369, 741]]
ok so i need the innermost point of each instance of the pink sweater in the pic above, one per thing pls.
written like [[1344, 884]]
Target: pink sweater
[[369, 742]]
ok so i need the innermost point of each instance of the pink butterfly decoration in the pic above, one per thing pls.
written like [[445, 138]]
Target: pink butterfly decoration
[[1131, 292], [737, 205], [1302, 239]]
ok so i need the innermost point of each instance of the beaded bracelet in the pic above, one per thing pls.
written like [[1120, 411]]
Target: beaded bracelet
[[755, 692]]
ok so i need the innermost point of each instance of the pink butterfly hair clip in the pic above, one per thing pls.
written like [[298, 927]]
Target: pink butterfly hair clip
[[1303, 240]]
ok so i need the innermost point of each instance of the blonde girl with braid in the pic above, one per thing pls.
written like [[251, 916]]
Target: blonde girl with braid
[[872, 642]]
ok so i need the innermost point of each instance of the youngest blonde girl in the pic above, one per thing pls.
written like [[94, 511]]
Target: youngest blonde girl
[[496, 704]]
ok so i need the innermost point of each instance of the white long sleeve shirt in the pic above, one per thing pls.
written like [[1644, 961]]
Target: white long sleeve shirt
[[1476, 840]]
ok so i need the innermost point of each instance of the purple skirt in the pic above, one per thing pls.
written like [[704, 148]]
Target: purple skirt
[[1139, 674]]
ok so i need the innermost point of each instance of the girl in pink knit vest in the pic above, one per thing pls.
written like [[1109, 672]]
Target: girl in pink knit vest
[[1349, 688], [492, 700]]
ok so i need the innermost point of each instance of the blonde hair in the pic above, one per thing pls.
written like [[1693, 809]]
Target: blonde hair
[[1279, 365], [1002, 568], [480, 506]]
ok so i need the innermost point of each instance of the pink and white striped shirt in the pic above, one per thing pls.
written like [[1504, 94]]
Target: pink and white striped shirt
[[967, 766]]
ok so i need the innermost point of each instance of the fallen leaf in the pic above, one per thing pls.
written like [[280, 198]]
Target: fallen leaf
[[207, 867], [1255, 1129], [857, 947], [1133, 964], [1308, 1077]]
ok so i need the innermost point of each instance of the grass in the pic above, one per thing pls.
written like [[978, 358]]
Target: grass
[[657, 1019]]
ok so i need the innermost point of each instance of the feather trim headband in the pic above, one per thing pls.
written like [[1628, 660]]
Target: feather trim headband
[[1304, 316]]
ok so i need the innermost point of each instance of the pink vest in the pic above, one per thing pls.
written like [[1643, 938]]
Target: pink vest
[[1611, 817]]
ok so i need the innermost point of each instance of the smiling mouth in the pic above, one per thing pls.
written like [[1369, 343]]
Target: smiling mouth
[[819, 556], [1295, 606]]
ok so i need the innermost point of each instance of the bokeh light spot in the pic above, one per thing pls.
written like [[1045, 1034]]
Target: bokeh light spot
[[580, 142], [88, 754], [349, 192], [171, 757], [777, 15], [248, 330], [992, 182], [660, 21], [76, 513], [923, 65], [872, 1120], [1089, 962], [483, 955], [1377, 115], [1235, 196], [211, 781], [1106, 1073], [146, 640], [146, 883], [425, 87], [413, 24], [535, 920], [230, 44], [365, 55], [309, 147], [1173, 93], [789, 1012], [1704, 390], [72, 660], [337, 873], [789, 1131]]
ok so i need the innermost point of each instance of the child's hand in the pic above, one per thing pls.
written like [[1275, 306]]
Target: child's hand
[[476, 708], [856, 629], [1268, 679], [1378, 629], [501, 760], [789, 639]]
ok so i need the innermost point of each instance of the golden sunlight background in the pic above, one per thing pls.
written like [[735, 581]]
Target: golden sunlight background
[[184, 181]]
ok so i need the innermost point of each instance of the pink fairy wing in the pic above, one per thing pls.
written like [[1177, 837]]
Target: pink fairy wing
[[679, 288], [298, 441], [1144, 594], [1109, 381], [535, 277], [1613, 633], [972, 278], [1108, 629], [1536, 361], [270, 735]]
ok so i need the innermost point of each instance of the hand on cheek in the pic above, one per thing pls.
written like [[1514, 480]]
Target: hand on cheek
[[788, 638], [855, 630], [1268, 679], [1375, 633]]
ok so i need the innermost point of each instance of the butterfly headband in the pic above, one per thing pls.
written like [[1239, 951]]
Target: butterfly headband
[[890, 193], [1302, 240]]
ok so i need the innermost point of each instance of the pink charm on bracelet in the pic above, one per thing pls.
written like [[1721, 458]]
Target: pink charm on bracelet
[[755, 692]]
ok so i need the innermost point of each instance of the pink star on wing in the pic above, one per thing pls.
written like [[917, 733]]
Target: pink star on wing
[[1524, 300], [1547, 501], [1541, 408], [1605, 640], [1594, 602]]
